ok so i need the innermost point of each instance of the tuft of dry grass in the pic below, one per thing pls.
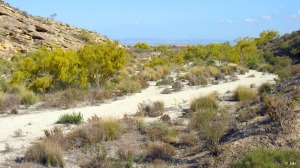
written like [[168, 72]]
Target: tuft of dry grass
[[243, 93], [162, 131], [159, 150], [152, 110], [206, 102], [47, 153]]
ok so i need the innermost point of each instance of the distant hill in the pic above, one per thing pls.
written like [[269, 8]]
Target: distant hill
[[155, 42], [21, 32]]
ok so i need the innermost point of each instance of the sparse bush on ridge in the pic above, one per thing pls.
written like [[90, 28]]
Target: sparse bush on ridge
[[280, 110], [211, 125]]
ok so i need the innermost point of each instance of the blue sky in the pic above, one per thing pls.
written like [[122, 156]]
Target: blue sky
[[171, 19]]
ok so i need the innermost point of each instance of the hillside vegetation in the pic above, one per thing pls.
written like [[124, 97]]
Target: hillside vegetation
[[253, 126]]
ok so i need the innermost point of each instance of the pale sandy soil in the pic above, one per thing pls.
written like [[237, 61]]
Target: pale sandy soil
[[34, 123]]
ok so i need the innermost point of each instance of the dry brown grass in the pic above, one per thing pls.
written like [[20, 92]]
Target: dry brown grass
[[154, 109], [45, 152], [159, 150]]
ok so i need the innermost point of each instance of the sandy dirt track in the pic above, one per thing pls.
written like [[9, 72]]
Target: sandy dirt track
[[34, 123]]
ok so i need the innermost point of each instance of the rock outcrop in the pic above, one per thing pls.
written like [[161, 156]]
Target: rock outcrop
[[21, 32]]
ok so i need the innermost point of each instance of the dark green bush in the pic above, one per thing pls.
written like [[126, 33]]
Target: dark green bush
[[265, 88], [70, 118], [262, 157], [252, 64]]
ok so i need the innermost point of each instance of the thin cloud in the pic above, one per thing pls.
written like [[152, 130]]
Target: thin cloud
[[249, 20], [295, 16], [226, 21], [266, 17], [281, 6], [133, 23]]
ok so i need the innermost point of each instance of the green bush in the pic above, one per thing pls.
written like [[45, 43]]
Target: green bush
[[265, 88], [47, 153], [252, 64], [205, 103], [243, 93], [140, 45], [262, 157], [70, 118]]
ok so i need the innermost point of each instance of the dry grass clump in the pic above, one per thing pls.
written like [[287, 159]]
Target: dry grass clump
[[162, 131], [165, 81], [152, 110], [228, 70], [150, 74], [280, 110], [28, 98], [129, 86], [159, 151], [47, 153], [95, 130], [206, 102], [243, 93], [133, 124], [212, 70], [195, 81], [265, 68], [99, 95], [242, 70], [188, 140]]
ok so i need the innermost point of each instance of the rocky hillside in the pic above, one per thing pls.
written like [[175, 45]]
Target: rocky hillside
[[21, 32]]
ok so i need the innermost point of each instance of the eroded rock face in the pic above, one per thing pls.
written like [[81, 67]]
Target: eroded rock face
[[20, 32]]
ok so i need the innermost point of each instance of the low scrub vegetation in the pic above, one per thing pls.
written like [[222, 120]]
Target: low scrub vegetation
[[262, 157], [74, 118]]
